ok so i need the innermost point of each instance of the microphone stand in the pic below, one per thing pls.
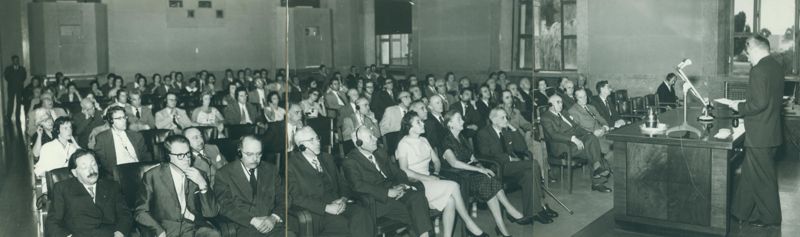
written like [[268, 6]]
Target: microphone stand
[[685, 127]]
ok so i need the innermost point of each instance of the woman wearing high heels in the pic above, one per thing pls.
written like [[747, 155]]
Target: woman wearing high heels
[[480, 182], [414, 154]]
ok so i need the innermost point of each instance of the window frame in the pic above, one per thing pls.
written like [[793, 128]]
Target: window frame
[[519, 36], [391, 39], [564, 38], [755, 29]]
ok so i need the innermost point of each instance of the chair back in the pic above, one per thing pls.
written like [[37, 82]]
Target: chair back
[[153, 138], [324, 128], [209, 132], [236, 131], [57, 175], [228, 147], [129, 177]]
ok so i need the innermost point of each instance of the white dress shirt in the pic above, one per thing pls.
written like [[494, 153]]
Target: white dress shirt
[[123, 147], [245, 113], [54, 155], [179, 180]]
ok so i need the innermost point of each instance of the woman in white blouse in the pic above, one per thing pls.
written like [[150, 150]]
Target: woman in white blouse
[[55, 153], [312, 108], [274, 112], [206, 115]]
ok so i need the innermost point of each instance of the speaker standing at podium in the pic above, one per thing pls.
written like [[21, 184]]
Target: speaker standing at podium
[[756, 197]]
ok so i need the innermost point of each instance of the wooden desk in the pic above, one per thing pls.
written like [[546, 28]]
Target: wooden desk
[[675, 185]]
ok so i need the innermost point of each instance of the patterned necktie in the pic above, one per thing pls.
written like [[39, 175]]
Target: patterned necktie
[[315, 162], [92, 193], [375, 163]]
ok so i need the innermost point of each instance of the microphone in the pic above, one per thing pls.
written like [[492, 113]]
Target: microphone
[[684, 63]]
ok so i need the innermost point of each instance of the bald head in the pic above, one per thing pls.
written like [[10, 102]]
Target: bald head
[[498, 117], [307, 137], [368, 140], [556, 104], [436, 104], [196, 139]]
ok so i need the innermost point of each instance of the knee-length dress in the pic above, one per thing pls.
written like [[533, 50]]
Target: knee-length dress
[[418, 153], [475, 184]]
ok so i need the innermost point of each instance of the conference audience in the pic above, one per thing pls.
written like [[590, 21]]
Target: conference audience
[[294, 121], [172, 117], [118, 145], [334, 98], [390, 124], [231, 97], [434, 121], [414, 155], [258, 95], [524, 93], [274, 111], [175, 198], [241, 111], [484, 104], [55, 154], [312, 108], [317, 186], [85, 121], [46, 108], [586, 116], [71, 96], [139, 117], [382, 99], [250, 194], [468, 111], [362, 116], [566, 90], [541, 95], [606, 107], [86, 205]]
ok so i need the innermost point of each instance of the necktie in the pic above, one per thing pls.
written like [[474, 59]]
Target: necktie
[[315, 162], [565, 119], [92, 193], [375, 163], [138, 115], [253, 181], [175, 119], [503, 143]]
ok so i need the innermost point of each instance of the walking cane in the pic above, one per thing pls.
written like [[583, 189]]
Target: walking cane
[[558, 201]]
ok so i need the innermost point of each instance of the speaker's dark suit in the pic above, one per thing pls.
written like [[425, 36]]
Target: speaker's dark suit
[[312, 190], [72, 211], [559, 133], [756, 197], [237, 203], [158, 209], [526, 173], [372, 187], [107, 153]]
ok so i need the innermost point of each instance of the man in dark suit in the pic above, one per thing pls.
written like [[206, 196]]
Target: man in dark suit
[[494, 143], [85, 205], [466, 108], [383, 99], [435, 131], [525, 92], [381, 183], [484, 104], [176, 198], [666, 90], [88, 119], [15, 75], [250, 193], [117, 145], [756, 197], [334, 100], [605, 106], [564, 134], [566, 91], [316, 185], [241, 112], [207, 156], [140, 117]]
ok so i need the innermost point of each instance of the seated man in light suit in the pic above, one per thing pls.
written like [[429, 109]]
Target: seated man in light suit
[[390, 123], [250, 193], [317, 186], [176, 198], [86, 205], [587, 117], [172, 117], [47, 107], [140, 117], [207, 156], [564, 133], [117, 145], [241, 112], [363, 116], [334, 99]]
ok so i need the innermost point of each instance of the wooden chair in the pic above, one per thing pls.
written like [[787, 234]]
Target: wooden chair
[[209, 132], [564, 161], [236, 131]]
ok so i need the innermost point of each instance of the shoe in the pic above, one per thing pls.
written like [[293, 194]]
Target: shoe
[[759, 224], [525, 220], [542, 219], [549, 211], [601, 188], [499, 233], [601, 172]]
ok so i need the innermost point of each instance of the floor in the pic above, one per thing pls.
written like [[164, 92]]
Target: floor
[[16, 186]]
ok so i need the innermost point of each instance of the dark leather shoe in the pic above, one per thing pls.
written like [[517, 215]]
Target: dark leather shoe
[[525, 220], [601, 188], [549, 211], [542, 219], [601, 172], [759, 224], [484, 234], [497, 230]]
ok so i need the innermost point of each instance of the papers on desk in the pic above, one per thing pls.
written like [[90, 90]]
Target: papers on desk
[[727, 101]]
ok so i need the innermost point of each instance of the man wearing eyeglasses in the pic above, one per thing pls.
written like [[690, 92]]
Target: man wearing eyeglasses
[[176, 199], [383, 98], [250, 193], [317, 186], [390, 123], [172, 117], [117, 145]]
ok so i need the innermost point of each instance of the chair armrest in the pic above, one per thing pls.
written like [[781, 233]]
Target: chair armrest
[[492, 165], [305, 222]]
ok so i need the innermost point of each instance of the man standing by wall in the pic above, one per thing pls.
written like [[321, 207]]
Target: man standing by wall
[[756, 199], [15, 75]]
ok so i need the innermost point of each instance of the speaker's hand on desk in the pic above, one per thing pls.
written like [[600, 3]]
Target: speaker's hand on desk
[[577, 142]]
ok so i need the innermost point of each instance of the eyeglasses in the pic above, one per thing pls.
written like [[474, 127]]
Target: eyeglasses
[[121, 118], [182, 156], [251, 154], [315, 138]]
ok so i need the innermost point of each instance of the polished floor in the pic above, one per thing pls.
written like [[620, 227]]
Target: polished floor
[[17, 216]]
